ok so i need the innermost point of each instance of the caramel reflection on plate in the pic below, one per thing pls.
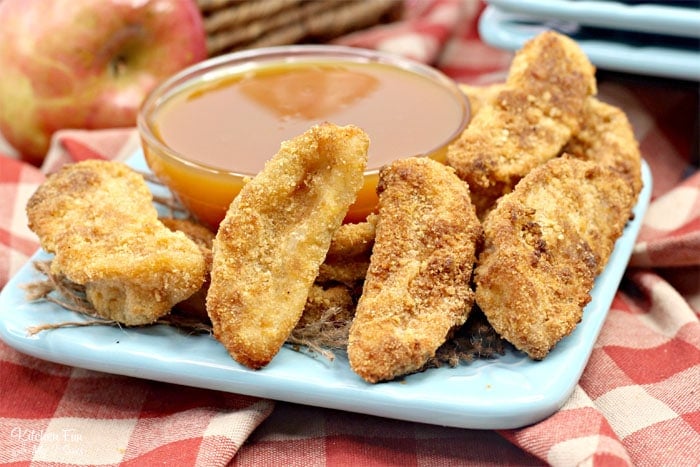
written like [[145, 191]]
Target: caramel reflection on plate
[[308, 93]]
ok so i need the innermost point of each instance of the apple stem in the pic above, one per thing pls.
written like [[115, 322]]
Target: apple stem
[[118, 65]]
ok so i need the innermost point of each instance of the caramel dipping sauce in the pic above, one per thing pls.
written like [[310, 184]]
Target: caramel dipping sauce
[[209, 128]]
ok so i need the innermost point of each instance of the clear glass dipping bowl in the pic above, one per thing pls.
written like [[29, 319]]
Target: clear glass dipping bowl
[[207, 191]]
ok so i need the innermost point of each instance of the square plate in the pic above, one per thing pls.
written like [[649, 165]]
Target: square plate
[[674, 18], [507, 392], [610, 49]]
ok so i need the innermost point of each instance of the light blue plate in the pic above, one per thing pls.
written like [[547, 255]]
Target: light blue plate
[[508, 392], [607, 51], [658, 18]]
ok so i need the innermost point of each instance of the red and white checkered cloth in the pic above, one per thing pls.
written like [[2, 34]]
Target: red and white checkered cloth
[[637, 403]]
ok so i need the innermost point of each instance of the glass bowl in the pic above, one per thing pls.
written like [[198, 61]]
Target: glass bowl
[[212, 126]]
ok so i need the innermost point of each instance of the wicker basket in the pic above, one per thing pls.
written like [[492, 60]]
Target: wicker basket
[[243, 24]]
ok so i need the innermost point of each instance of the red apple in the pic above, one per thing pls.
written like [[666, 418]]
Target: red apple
[[87, 63]]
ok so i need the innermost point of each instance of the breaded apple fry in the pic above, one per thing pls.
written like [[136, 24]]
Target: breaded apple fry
[[417, 288], [606, 137], [352, 240], [98, 218], [528, 122], [544, 244], [348, 256], [275, 235]]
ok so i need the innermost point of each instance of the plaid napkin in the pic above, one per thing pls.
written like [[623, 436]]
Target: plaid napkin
[[637, 403]]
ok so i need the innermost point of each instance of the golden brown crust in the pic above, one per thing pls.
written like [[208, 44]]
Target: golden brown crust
[[348, 256], [98, 218], [544, 245], [202, 236], [195, 305], [352, 240], [417, 286], [350, 272], [528, 122], [275, 235], [606, 137], [556, 75]]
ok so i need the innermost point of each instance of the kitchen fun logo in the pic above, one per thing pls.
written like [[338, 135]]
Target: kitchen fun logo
[[28, 441]]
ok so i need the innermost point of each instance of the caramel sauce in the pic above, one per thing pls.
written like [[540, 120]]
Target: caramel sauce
[[237, 123]]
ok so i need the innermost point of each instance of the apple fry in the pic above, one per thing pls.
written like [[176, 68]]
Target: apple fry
[[607, 137], [98, 218], [417, 288], [275, 236], [528, 122], [348, 256], [545, 242]]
